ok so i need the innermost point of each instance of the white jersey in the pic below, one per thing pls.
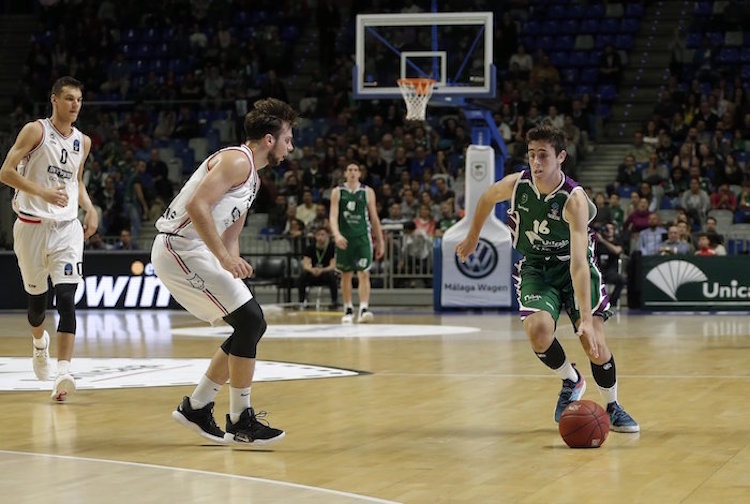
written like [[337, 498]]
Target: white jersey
[[238, 200], [52, 163]]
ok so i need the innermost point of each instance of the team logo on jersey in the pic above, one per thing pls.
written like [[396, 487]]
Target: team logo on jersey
[[554, 212], [524, 200], [76, 145], [68, 269], [481, 263], [197, 282]]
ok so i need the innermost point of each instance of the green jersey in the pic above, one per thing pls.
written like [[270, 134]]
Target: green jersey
[[536, 220], [353, 217]]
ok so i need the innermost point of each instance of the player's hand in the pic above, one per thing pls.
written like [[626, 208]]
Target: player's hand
[[340, 242], [466, 247], [56, 195], [379, 250], [237, 266], [588, 338], [90, 224]]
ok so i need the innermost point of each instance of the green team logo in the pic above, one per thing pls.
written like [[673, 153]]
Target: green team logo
[[671, 275]]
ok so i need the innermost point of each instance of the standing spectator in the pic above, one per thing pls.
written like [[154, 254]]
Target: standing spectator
[[695, 201]]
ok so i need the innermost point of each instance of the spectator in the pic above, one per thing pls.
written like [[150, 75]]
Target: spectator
[[96, 243], [724, 199], [424, 221], [610, 66], [704, 246], [616, 212], [640, 150], [608, 250], [716, 238], [415, 250], [695, 201], [306, 211], [125, 242], [447, 218], [319, 267], [674, 244], [650, 239]]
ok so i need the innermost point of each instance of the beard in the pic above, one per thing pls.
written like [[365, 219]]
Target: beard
[[273, 159]]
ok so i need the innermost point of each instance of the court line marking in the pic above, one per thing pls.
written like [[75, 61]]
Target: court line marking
[[504, 375], [340, 493]]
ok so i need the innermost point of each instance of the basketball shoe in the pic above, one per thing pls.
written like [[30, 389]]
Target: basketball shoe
[[40, 359], [571, 391], [348, 317], [365, 316], [248, 431], [201, 421], [64, 386], [619, 420]]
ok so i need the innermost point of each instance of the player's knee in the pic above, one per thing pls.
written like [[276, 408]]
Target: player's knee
[[66, 307], [249, 326], [37, 308]]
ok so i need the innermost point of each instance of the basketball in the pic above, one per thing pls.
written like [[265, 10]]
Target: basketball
[[584, 424]]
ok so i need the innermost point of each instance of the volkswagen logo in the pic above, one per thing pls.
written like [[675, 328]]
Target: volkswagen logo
[[481, 263]]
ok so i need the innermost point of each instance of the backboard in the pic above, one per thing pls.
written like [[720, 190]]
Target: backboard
[[453, 48]]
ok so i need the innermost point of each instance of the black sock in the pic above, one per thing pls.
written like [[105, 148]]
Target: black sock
[[605, 375], [554, 356]]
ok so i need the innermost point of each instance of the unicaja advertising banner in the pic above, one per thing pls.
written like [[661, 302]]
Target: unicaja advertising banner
[[484, 280], [696, 283]]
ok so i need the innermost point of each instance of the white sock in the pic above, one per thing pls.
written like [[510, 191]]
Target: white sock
[[204, 393], [63, 367], [362, 306], [41, 343], [348, 306], [567, 372], [609, 394], [239, 401]]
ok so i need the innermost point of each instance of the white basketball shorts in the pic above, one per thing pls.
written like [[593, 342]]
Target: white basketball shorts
[[195, 278], [46, 248]]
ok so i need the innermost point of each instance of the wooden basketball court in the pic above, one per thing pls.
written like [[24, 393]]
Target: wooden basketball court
[[452, 417]]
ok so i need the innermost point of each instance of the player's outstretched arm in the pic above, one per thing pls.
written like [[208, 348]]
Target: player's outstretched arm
[[501, 190]]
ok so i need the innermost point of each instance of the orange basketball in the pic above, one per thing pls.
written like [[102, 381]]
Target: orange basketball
[[584, 424]]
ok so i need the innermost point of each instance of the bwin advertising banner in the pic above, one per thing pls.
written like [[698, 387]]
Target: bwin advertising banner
[[484, 280]]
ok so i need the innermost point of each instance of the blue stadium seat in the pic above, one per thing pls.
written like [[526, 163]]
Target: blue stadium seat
[[703, 9], [634, 9], [717, 38], [630, 25], [595, 11], [131, 36], [589, 75], [583, 89], [566, 42], [569, 75], [531, 27], [589, 26], [559, 59], [603, 39], [570, 26], [607, 93], [624, 42], [578, 58], [729, 55], [693, 40], [610, 25]]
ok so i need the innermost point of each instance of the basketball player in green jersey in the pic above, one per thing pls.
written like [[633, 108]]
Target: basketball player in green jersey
[[352, 212], [549, 217]]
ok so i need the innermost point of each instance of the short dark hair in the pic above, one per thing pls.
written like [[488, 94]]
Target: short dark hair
[[60, 83], [547, 133], [268, 117]]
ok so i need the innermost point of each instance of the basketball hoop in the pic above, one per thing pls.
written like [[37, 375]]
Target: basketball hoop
[[416, 92]]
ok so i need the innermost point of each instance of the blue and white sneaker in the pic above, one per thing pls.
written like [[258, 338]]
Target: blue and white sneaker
[[571, 391], [619, 420]]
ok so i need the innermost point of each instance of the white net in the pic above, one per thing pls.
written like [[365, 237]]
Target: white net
[[416, 93]]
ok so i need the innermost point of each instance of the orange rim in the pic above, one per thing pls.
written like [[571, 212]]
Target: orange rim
[[420, 85]]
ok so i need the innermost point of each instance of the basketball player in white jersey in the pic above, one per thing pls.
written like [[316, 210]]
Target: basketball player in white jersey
[[45, 167], [197, 256]]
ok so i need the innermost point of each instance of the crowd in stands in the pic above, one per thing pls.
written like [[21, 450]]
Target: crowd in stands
[[173, 71]]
